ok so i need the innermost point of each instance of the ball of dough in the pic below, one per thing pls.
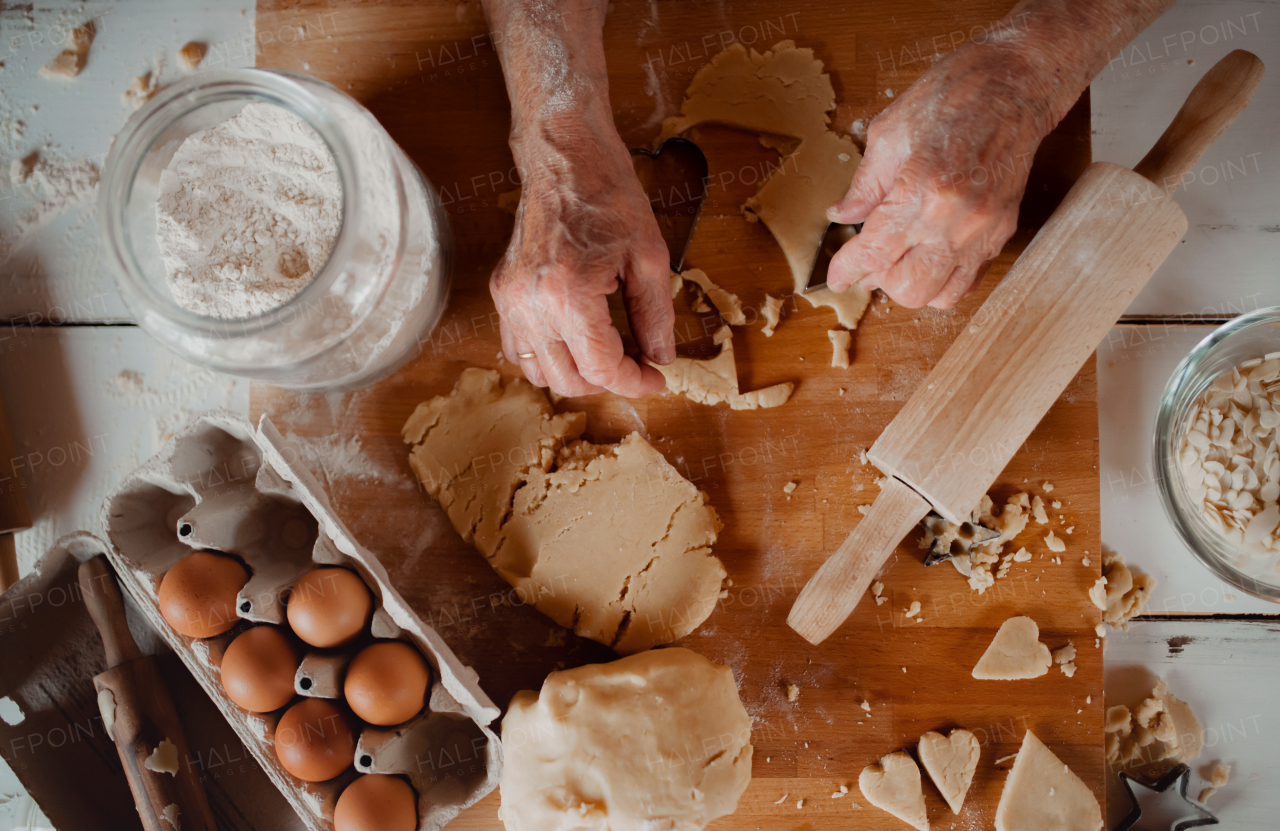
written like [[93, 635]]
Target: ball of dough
[[658, 734]]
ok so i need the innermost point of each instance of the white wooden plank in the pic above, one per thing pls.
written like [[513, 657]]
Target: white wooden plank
[[59, 272], [1134, 364], [87, 405], [1226, 264], [1224, 670]]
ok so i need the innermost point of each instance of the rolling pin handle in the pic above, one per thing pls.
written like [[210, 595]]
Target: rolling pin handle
[[106, 606], [832, 593], [1213, 104]]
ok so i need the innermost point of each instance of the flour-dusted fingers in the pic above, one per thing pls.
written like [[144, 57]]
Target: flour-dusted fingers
[[518, 350], [962, 282], [915, 279], [647, 296], [563, 377], [886, 236]]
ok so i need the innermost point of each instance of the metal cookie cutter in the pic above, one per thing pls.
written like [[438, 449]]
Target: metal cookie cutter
[[1180, 775], [675, 179]]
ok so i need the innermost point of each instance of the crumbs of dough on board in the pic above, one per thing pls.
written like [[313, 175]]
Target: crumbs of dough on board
[[1161, 731], [772, 314]]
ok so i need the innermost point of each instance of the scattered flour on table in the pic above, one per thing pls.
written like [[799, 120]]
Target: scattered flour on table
[[338, 457], [57, 187], [248, 212]]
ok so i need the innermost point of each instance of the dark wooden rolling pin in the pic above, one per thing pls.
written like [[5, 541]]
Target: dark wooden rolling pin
[[140, 717]]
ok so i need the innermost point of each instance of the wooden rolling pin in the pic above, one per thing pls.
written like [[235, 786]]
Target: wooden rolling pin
[[1022, 347], [140, 717]]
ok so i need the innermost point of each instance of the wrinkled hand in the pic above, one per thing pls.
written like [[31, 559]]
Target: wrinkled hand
[[944, 171], [584, 228]]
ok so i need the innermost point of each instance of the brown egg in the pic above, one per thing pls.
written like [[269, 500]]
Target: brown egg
[[258, 669], [329, 607], [376, 802], [387, 683], [314, 740], [198, 594]]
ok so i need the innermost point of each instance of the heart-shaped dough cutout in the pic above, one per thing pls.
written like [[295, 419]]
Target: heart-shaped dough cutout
[[951, 763], [1015, 653], [893, 785]]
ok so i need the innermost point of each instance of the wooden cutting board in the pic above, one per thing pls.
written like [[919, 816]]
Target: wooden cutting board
[[429, 73]]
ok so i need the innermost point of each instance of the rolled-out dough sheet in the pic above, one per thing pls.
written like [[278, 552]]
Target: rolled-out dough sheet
[[1042, 793], [783, 92], [715, 380], [609, 540]]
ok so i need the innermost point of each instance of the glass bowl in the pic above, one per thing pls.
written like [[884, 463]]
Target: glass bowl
[[1246, 338]]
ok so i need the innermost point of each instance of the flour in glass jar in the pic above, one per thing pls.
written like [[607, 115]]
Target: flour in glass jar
[[247, 214]]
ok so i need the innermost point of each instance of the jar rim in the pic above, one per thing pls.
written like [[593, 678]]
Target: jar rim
[[125, 158], [1183, 389]]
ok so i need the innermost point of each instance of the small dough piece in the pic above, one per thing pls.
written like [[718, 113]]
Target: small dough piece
[[1015, 653], [1043, 794], [609, 540], [1127, 591], [1066, 654], [841, 340], [1220, 775], [659, 740], [726, 303], [1098, 593], [70, 61], [164, 759], [170, 814], [1054, 543], [893, 785], [65, 65], [951, 763], [772, 314], [783, 92], [140, 91], [107, 706], [1161, 729], [715, 380], [192, 54]]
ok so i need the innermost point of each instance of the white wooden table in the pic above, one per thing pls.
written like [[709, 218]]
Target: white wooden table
[[85, 388]]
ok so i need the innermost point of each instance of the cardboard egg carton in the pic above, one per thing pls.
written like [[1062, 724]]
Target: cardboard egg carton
[[221, 485]]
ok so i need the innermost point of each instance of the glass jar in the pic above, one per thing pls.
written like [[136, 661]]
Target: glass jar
[[364, 313], [1246, 338]]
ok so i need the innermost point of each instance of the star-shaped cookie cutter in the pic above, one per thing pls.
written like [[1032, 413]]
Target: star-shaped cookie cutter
[[1179, 774]]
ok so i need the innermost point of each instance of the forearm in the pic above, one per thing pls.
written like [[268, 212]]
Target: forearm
[[552, 54], [1061, 45]]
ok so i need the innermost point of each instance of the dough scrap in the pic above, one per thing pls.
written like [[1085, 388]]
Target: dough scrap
[[1127, 591], [893, 785], [715, 380], [608, 540], [658, 740], [783, 92], [772, 314], [841, 340], [1015, 653], [1162, 729], [1042, 793], [725, 302], [951, 762]]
